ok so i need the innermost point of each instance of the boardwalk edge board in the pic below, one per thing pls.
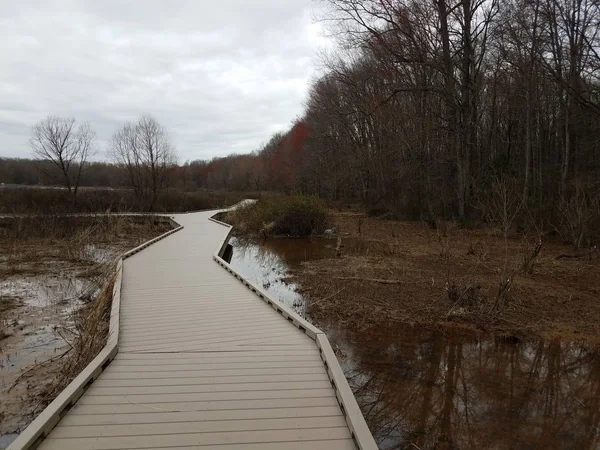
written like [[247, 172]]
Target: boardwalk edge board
[[354, 419], [32, 436]]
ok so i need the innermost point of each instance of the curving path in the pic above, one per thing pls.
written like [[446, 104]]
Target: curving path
[[203, 362]]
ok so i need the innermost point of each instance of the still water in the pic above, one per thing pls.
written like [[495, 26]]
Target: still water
[[441, 389]]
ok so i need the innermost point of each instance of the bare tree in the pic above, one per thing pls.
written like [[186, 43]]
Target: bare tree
[[144, 150], [67, 145]]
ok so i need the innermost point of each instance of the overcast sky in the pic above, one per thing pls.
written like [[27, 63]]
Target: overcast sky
[[221, 76]]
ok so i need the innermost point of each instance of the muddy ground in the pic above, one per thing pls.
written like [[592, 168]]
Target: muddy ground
[[51, 267], [410, 273]]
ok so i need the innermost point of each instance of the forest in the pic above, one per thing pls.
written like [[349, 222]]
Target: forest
[[468, 110]]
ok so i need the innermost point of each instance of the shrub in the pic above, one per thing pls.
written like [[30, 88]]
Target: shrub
[[579, 214], [295, 215]]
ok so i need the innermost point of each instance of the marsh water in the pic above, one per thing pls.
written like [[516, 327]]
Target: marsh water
[[445, 389]]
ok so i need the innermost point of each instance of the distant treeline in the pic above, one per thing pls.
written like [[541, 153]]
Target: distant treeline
[[34, 172], [273, 168]]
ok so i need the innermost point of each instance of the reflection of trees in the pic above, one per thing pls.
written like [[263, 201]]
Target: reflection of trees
[[448, 393], [257, 254], [257, 262], [266, 268]]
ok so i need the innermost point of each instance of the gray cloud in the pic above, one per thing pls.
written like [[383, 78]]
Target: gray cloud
[[221, 76]]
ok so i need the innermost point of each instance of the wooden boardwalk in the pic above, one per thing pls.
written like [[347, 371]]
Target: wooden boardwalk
[[205, 362]]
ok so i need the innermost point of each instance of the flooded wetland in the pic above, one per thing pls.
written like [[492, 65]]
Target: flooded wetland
[[437, 384], [428, 370], [51, 269]]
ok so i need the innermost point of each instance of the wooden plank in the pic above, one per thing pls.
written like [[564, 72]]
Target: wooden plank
[[199, 416], [201, 333], [254, 342], [204, 307], [113, 375], [234, 304], [146, 399], [196, 439], [276, 337], [311, 350], [219, 337], [165, 327], [143, 358], [82, 431], [195, 388], [186, 367], [237, 311], [337, 444], [130, 338], [164, 291], [216, 348], [266, 340], [135, 250], [188, 319], [228, 289], [211, 380], [192, 358], [115, 309], [237, 308], [203, 406], [231, 346], [135, 337], [168, 278]]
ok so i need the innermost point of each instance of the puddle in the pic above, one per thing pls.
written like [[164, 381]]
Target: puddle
[[41, 311], [421, 389], [267, 264], [36, 315], [264, 267], [42, 292], [445, 390], [93, 252]]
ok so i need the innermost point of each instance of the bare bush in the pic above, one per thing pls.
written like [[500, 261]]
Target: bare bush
[[530, 256], [504, 288], [576, 215], [502, 203], [86, 338]]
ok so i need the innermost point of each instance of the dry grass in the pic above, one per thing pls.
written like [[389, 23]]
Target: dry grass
[[451, 276], [76, 257], [86, 339], [34, 246], [89, 200]]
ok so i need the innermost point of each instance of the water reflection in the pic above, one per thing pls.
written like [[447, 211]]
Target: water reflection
[[422, 389], [264, 267]]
